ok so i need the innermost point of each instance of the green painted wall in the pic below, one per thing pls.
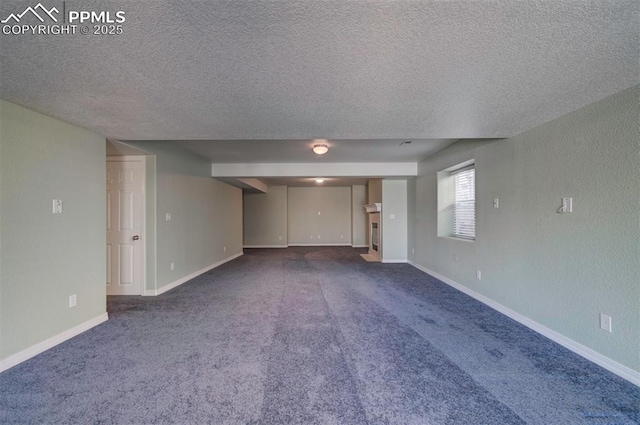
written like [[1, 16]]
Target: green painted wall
[[560, 270], [206, 214], [44, 258]]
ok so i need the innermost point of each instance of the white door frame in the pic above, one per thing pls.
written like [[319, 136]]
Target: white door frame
[[142, 159]]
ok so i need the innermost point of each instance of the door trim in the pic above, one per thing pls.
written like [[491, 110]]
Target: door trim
[[142, 159]]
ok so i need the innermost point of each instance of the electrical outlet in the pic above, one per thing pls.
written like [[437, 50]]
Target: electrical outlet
[[319, 213], [413, 250], [225, 249], [279, 238], [496, 203], [73, 300], [341, 236], [167, 217], [172, 265], [478, 275], [318, 236], [392, 216], [605, 322]]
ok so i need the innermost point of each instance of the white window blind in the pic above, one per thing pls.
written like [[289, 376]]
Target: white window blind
[[464, 206]]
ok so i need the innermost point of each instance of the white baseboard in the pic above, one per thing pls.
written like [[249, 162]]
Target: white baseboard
[[34, 350], [586, 352], [264, 246], [170, 286], [319, 244], [360, 246], [393, 261]]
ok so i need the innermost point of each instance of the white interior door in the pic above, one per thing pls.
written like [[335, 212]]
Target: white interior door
[[124, 226]]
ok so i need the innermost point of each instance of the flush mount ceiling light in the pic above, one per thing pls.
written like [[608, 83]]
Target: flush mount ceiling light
[[319, 180], [320, 149]]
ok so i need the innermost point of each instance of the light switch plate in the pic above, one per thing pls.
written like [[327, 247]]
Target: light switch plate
[[57, 206], [567, 205]]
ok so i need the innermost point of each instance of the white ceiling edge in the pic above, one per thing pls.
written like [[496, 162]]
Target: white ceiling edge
[[117, 148], [370, 169], [256, 184]]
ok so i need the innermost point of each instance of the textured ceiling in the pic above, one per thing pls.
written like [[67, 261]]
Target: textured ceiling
[[293, 151], [333, 69]]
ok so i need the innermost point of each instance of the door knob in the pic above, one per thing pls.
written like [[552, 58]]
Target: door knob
[[136, 237]]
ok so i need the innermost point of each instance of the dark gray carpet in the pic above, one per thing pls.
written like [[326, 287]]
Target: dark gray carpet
[[312, 336]]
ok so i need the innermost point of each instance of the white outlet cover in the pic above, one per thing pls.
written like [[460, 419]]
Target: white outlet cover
[[172, 266], [392, 216], [167, 217], [73, 300], [478, 274], [605, 322], [496, 203]]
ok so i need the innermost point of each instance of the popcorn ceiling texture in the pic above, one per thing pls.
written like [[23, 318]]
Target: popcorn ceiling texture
[[333, 69]]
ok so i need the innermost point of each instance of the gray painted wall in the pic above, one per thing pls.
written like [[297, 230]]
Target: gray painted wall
[[359, 220], [333, 225], [265, 218], [44, 258], [206, 214], [560, 270], [394, 220]]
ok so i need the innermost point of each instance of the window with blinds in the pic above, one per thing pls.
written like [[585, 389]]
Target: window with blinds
[[464, 204]]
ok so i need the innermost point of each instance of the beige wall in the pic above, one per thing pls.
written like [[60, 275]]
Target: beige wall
[[44, 258], [359, 221], [319, 215], [374, 191], [265, 218], [289, 216], [559, 270], [394, 220]]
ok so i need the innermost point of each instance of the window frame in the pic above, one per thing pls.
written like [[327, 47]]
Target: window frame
[[464, 227], [446, 200]]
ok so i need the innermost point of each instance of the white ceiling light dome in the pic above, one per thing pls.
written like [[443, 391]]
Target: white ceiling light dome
[[320, 149]]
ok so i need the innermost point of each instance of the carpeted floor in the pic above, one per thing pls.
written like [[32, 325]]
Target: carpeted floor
[[312, 336]]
